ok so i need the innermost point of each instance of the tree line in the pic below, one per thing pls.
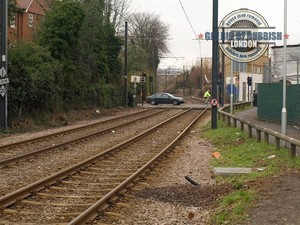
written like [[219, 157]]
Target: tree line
[[76, 60]]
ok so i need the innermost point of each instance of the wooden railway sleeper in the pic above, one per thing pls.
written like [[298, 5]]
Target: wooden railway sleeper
[[135, 177]]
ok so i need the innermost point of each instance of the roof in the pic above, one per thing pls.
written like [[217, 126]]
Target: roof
[[288, 46], [24, 4], [33, 6]]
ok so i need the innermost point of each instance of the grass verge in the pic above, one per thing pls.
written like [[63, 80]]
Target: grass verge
[[238, 150]]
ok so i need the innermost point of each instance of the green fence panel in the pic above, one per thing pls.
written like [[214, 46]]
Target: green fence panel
[[269, 102]]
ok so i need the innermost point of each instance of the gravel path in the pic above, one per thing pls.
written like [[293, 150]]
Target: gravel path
[[166, 197], [15, 176]]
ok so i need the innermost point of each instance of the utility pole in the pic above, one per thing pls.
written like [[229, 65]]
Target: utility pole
[[231, 86], [251, 90], [215, 49], [284, 111], [3, 71], [154, 83], [126, 64], [166, 80], [223, 72], [201, 78]]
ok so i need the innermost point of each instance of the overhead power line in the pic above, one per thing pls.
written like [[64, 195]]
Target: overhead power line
[[191, 25]]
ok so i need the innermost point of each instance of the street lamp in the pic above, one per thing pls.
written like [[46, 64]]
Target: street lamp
[[201, 72], [231, 87], [284, 111]]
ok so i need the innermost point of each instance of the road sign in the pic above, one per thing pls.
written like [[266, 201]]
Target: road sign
[[3, 91], [2, 72], [214, 102], [4, 81], [135, 79], [143, 79]]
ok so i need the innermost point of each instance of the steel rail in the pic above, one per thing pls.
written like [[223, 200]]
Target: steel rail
[[11, 198], [93, 210], [33, 153], [70, 130], [195, 100], [189, 99]]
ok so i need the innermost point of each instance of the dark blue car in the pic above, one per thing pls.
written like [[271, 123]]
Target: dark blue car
[[164, 98]]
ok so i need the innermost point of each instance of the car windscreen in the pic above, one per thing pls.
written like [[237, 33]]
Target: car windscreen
[[172, 96], [165, 96]]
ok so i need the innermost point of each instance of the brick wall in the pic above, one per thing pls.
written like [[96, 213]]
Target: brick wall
[[25, 28]]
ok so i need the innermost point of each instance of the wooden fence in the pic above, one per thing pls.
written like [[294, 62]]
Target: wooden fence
[[232, 120]]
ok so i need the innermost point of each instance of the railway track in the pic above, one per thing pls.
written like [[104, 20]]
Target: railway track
[[77, 194], [193, 100], [26, 171], [14, 152]]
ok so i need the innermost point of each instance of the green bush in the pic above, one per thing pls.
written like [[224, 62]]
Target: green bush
[[32, 79]]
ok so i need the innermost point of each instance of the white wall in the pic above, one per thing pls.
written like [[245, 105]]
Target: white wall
[[243, 86]]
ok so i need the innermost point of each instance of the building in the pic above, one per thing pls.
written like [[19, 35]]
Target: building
[[26, 20], [240, 72], [276, 65]]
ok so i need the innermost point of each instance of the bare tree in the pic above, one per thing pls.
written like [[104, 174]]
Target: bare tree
[[117, 11], [149, 32]]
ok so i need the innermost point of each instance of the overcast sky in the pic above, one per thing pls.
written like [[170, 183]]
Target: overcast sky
[[200, 15]]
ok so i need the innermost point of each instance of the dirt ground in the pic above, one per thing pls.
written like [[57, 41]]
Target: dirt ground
[[56, 120], [280, 201]]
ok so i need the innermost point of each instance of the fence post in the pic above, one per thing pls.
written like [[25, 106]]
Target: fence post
[[267, 138], [258, 135], [228, 120], [277, 142], [293, 150], [250, 130], [234, 122], [242, 126]]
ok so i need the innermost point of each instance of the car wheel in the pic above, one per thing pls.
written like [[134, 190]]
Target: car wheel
[[175, 102], [152, 102]]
